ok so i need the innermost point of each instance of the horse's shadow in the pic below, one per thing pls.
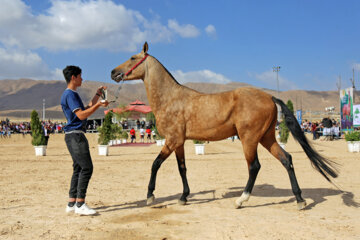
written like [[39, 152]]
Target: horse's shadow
[[318, 195], [142, 203]]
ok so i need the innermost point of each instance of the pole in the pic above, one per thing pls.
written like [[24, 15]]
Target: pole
[[43, 110], [277, 69]]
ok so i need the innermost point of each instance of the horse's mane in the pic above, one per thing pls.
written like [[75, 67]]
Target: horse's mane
[[167, 71]]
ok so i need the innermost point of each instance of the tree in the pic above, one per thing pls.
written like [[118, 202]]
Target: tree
[[37, 132], [125, 114], [290, 105], [284, 130], [106, 131]]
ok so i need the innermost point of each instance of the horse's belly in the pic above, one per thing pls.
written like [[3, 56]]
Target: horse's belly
[[211, 133]]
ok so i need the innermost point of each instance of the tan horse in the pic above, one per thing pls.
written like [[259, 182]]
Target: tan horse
[[183, 113]]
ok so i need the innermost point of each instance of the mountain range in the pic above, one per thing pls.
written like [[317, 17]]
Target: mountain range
[[19, 97]]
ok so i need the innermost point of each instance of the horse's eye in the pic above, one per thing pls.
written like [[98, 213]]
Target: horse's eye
[[132, 58]]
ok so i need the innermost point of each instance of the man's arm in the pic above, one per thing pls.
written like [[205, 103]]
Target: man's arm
[[84, 114]]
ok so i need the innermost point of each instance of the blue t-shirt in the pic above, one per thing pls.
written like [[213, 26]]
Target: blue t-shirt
[[70, 102]]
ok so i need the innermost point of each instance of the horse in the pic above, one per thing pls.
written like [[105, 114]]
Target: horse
[[182, 113]]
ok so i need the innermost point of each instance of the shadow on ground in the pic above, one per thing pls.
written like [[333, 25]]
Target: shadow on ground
[[318, 195]]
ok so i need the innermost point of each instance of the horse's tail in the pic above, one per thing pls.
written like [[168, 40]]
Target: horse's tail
[[321, 164]]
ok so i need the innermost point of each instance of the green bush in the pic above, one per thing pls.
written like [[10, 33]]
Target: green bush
[[106, 132], [124, 135], [198, 142], [284, 132], [37, 133], [352, 136], [117, 131]]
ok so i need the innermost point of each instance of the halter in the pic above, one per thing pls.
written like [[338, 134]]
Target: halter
[[121, 76]]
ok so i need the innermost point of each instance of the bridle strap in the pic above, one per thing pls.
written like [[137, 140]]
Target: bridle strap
[[143, 59]]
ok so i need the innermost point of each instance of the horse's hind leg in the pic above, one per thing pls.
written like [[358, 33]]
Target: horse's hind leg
[[285, 158], [250, 151], [180, 157]]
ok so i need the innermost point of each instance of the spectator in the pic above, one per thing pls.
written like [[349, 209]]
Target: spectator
[[132, 135]]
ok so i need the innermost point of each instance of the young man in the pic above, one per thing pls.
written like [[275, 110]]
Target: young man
[[76, 142]]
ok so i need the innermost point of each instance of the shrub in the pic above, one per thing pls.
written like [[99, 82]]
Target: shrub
[[284, 132], [106, 132], [198, 142], [352, 136], [124, 135], [37, 132]]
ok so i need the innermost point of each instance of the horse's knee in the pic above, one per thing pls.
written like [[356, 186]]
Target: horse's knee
[[287, 162]]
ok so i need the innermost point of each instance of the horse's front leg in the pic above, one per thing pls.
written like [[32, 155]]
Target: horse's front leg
[[180, 157], [163, 155]]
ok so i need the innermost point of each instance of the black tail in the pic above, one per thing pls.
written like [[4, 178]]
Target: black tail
[[323, 165]]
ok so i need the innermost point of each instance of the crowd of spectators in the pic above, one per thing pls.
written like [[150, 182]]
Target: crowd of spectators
[[7, 127], [329, 128]]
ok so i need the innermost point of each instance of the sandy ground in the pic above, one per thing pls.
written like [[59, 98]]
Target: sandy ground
[[34, 190]]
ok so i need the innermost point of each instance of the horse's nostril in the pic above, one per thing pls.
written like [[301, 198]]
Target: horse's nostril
[[113, 72]]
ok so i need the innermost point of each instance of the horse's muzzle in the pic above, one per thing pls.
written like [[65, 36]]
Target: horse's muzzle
[[117, 76]]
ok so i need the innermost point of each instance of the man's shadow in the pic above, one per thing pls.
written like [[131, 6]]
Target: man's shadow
[[318, 195]]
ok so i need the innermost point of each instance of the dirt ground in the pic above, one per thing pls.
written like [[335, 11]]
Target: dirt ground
[[34, 191]]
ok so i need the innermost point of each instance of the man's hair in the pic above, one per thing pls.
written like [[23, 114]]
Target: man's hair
[[71, 71]]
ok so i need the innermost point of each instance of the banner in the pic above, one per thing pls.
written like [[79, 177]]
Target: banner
[[299, 116], [346, 108], [356, 115]]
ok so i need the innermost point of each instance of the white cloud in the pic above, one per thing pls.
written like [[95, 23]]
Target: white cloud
[[356, 66], [75, 24], [211, 30], [269, 78], [57, 74], [15, 63], [200, 76], [185, 31]]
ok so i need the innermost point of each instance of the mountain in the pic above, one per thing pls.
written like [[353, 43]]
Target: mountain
[[19, 97]]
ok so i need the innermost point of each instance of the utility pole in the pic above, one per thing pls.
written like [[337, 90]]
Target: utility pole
[[43, 117], [338, 84], [352, 80], [277, 69]]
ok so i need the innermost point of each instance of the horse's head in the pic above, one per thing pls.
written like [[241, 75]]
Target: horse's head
[[132, 69]]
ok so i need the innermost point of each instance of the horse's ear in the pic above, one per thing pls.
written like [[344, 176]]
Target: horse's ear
[[145, 47]]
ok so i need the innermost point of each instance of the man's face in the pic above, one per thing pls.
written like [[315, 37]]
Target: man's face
[[77, 80]]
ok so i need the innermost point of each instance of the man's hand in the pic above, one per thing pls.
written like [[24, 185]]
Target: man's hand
[[99, 90], [104, 103]]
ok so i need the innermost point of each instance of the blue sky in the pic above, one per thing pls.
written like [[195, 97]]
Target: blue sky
[[314, 42]]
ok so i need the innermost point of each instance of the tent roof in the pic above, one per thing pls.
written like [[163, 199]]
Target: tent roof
[[136, 106], [137, 102]]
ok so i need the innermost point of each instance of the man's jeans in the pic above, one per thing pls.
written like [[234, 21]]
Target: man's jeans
[[82, 165]]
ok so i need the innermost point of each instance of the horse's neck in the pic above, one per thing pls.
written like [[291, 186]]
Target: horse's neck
[[161, 88]]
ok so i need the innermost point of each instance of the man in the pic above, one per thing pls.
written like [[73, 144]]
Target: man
[[132, 135], [76, 142]]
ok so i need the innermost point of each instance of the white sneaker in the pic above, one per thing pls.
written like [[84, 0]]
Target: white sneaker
[[70, 209], [84, 210]]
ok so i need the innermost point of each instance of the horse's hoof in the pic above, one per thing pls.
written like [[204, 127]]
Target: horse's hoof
[[182, 202], [301, 205], [150, 200], [237, 204]]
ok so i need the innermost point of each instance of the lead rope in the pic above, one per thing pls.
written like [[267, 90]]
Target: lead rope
[[103, 95]]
